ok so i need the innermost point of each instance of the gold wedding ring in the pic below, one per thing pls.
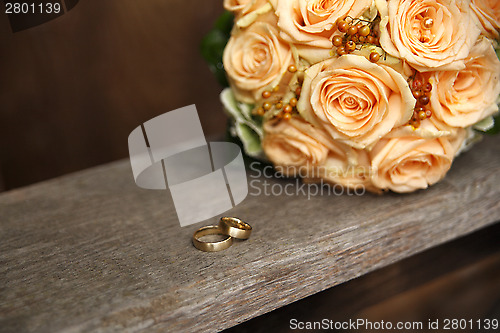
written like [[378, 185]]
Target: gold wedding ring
[[211, 246], [235, 227]]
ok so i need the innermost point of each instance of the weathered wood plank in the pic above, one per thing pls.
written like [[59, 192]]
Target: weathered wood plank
[[458, 279], [91, 251]]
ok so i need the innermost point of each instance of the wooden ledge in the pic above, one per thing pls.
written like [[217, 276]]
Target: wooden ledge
[[92, 252]]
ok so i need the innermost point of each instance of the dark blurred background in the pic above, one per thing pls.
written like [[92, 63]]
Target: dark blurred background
[[72, 89]]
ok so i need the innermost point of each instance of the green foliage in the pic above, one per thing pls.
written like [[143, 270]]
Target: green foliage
[[212, 46], [496, 128], [245, 126], [247, 159]]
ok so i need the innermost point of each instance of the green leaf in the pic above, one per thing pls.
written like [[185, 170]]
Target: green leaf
[[485, 124], [496, 128], [212, 46], [244, 125], [250, 139], [224, 22], [237, 140]]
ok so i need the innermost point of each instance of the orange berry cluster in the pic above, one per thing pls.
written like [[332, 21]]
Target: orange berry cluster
[[421, 89], [286, 110], [355, 33], [267, 105]]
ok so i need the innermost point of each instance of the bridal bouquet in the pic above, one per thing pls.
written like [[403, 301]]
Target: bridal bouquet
[[374, 93]]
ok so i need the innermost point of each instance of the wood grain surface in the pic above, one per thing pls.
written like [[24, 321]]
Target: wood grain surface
[[92, 252], [73, 89], [459, 279]]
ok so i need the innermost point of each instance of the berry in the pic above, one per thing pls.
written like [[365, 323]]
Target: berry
[[337, 41], [350, 46], [417, 84], [352, 30], [424, 100], [374, 57], [343, 26], [364, 31], [417, 94], [341, 51]]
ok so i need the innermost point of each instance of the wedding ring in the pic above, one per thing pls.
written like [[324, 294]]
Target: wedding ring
[[211, 246], [235, 227]]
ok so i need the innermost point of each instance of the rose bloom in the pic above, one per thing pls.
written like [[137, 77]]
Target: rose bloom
[[243, 7], [355, 101], [462, 98], [255, 58], [428, 34], [297, 148], [350, 168], [406, 164], [312, 22], [488, 14], [294, 145]]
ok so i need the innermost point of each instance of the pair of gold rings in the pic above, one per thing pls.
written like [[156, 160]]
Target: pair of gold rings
[[229, 228]]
